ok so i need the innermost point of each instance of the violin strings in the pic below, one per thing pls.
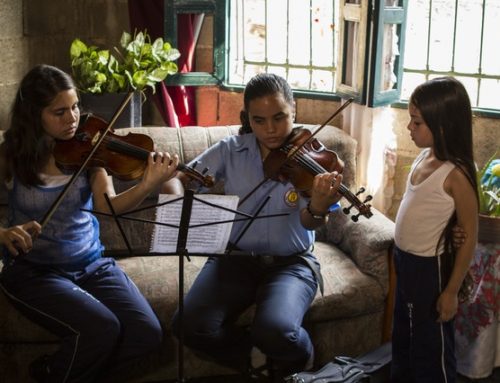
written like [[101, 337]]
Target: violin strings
[[309, 163], [126, 148]]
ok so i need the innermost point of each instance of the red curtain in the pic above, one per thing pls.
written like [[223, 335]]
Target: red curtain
[[175, 103]]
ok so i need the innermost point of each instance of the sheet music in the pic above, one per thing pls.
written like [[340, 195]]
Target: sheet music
[[211, 239]]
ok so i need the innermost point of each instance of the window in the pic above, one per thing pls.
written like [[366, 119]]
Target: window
[[302, 40], [375, 51], [457, 38], [295, 39], [320, 46]]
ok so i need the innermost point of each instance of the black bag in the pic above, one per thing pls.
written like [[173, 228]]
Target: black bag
[[373, 367]]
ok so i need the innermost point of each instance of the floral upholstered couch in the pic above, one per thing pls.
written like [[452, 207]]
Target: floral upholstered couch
[[348, 319]]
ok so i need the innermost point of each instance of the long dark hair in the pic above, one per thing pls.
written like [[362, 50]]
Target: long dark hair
[[26, 147], [445, 107], [261, 85]]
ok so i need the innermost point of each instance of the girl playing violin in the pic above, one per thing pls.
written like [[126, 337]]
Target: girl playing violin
[[56, 275], [282, 275]]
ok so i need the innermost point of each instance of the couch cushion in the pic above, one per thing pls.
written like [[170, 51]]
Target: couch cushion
[[348, 291]]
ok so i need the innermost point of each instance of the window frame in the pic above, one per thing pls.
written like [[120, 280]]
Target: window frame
[[386, 15], [221, 10]]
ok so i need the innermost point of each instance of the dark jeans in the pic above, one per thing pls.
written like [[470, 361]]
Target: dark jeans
[[423, 350], [226, 287], [98, 312]]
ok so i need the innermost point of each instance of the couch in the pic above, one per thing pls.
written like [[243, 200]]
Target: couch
[[351, 318]]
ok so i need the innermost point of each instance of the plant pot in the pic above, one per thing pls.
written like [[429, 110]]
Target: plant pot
[[489, 229], [105, 106]]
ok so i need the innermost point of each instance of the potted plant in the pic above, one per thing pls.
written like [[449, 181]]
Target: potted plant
[[488, 183], [104, 78]]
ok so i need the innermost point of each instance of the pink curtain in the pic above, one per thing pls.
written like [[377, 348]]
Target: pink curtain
[[175, 103]]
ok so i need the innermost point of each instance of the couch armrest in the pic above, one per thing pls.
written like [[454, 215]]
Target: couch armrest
[[367, 241]]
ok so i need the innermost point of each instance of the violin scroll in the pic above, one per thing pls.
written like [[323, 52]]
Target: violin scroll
[[362, 207]]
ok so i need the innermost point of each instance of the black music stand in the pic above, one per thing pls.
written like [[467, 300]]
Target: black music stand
[[181, 249]]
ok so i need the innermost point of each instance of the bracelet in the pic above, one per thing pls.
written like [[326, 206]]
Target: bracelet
[[315, 216]]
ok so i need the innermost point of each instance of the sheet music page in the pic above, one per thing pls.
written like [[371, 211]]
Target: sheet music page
[[211, 239]]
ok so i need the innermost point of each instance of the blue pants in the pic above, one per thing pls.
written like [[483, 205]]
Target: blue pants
[[226, 287], [423, 350], [98, 312]]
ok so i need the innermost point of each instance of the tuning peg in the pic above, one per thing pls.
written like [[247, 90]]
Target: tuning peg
[[204, 171], [355, 217], [194, 164], [347, 210], [361, 190], [368, 198]]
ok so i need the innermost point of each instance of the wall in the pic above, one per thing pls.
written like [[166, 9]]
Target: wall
[[41, 31], [36, 31], [14, 48]]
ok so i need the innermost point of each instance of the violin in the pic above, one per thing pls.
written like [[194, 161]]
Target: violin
[[301, 158], [125, 157]]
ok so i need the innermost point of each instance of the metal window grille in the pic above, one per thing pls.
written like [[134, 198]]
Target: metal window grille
[[455, 38], [295, 39]]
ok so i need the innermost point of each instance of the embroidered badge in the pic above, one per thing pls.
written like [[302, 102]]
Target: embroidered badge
[[291, 198]]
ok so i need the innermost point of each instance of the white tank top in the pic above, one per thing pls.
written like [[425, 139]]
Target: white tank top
[[424, 211]]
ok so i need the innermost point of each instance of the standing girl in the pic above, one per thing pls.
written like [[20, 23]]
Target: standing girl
[[280, 273], [441, 193], [59, 279]]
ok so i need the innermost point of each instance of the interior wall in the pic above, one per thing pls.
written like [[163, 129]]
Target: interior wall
[[41, 31]]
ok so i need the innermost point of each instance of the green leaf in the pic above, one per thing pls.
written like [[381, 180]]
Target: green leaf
[[77, 48], [138, 63], [125, 39]]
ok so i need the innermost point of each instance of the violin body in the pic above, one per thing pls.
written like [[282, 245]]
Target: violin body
[[301, 158], [283, 165], [125, 157]]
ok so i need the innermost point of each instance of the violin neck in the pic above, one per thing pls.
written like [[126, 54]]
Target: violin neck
[[128, 149]]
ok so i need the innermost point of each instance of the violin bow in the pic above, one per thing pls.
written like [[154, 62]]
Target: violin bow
[[317, 130], [295, 150], [61, 196]]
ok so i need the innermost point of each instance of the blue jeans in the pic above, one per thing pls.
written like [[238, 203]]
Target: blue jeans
[[226, 287], [98, 312]]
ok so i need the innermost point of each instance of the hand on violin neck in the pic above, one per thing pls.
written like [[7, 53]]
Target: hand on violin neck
[[161, 167], [324, 192]]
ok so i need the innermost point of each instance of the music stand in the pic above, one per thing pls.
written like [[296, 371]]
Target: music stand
[[181, 248]]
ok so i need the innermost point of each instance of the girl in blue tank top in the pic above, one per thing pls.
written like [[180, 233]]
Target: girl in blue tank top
[[55, 274]]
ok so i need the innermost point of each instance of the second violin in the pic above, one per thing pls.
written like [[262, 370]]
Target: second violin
[[301, 158]]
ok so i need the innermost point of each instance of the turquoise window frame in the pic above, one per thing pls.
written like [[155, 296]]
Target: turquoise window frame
[[220, 11], [386, 15], [217, 8]]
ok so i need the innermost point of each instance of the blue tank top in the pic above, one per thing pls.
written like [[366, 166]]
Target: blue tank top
[[70, 239]]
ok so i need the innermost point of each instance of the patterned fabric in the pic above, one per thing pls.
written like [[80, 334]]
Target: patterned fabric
[[478, 320]]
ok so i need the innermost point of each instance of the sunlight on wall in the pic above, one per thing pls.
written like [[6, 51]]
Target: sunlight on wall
[[382, 159], [376, 158]]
